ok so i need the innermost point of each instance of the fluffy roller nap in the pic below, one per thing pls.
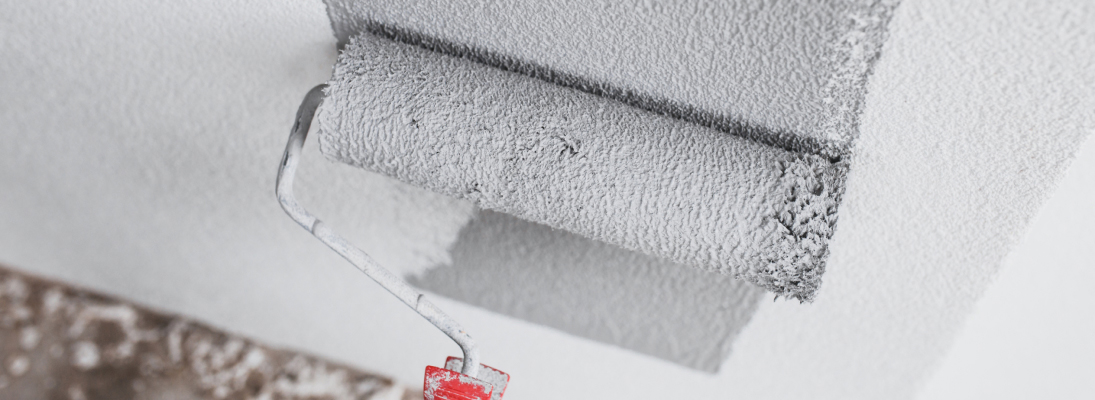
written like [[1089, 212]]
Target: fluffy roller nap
[[583, 163]]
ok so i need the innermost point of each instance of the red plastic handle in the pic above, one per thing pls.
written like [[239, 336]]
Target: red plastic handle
[[442, 384]]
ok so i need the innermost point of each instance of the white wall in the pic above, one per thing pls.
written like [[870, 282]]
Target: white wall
[[141, 142], [1032, 335], [140, 145]]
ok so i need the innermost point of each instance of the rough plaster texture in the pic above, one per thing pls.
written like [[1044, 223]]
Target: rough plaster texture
[[135, 132], [595, 290], [583, 163], [790, 70]]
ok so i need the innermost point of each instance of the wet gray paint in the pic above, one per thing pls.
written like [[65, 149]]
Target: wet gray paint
[[595, 290]]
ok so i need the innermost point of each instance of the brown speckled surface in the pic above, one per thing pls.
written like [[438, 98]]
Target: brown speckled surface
[[60, 342]]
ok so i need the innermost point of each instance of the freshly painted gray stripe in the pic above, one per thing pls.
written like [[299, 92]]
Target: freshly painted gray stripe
[[595, 290]]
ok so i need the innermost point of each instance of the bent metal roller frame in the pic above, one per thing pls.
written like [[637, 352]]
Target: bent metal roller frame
[[474, 381]]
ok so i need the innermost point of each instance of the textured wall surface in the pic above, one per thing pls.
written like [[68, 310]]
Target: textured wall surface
[[141, 142]]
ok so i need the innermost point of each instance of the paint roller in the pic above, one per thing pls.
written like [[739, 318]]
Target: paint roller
[[474, 381], [726, 200]]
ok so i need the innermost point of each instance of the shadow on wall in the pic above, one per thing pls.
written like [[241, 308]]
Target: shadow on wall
[[595, 290]]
